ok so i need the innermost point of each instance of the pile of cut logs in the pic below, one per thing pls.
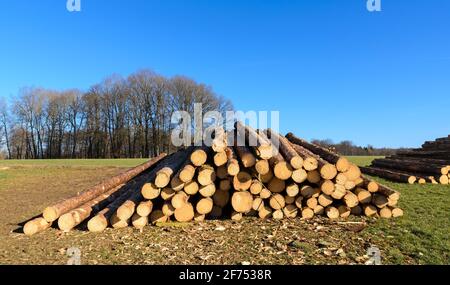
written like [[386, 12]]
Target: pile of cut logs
[[245, 172], [429, 164]]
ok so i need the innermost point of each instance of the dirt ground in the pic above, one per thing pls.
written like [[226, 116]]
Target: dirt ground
[[26, 190]]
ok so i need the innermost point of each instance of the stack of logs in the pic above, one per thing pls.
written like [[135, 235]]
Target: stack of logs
[[429, 164], [245, 172]]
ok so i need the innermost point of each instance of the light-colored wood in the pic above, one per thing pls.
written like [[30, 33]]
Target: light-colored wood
[[277, 202], [126, 210], [311, 202], [256, 187], [185, 213], [258, 204], [206, 175], [342, 164], [265, 193], [319, 210], [299, 175], [364, 196], [150, 191], [204, 206], [176, 184], [328, 171], [220, 158], [353, 172], [327, 187], [299, 202], [179, 200], [370, 210], [35, 226], [286, 149], [262, 166], [139, 222], [266, 177], [242, 202], [385, 213], [397, 212], [199, 218], [350, 199], [163, 177], [220, 141], [168, 210], [258, 141], [242, 181], [292, 190], [233, 167], [117, 223], [278, 214], [208, 190], [199, 156], [247, 158], [236, 216], [332, 212], [325, 200], [187, 173], [339, 192], [191, 188], [290, 211], [341, 179], [307, 191], [144, 208], [265, 212], [307, 213]]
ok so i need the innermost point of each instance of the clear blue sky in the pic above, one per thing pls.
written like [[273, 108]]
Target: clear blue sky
[[330, 67]]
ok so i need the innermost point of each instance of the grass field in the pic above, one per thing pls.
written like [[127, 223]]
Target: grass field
[[26, 187]]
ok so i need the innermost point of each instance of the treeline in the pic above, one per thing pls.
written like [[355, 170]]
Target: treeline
[[117, 118], [348, 148]]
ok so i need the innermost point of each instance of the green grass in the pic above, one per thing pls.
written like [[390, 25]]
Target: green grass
[[73, 162], [363, 160], [423, 234]]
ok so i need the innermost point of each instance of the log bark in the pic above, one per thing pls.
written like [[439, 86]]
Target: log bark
[[391, 175], [260, 144], [52, 213], [286, 149]]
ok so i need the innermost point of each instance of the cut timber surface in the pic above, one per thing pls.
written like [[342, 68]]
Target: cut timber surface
[[261, 145]]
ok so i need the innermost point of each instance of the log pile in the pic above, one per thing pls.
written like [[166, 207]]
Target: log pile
[[429, 164], [245, 172]]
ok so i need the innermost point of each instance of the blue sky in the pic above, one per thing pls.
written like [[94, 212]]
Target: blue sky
[[332, 69]]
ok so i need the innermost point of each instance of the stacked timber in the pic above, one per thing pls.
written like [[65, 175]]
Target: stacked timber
[[429, 164], [245, 172]]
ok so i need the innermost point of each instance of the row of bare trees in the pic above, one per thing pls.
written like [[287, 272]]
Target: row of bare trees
[[119, 117], [349, 148]]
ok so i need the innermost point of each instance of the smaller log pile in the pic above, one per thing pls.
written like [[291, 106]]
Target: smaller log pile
[[245, 172], [429, 164]]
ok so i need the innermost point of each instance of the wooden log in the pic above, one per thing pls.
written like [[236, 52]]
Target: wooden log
[[52, 213], [320, 151], [325, 200], [286, 149], [278, 214], [332, 212], [199, 156], [187, 173], [150, 191], [242, 202], [221, 172], [265, 193], [386, 191], [391, 175], [176, 184], [139, 222], [265, 212], [258, 204], [266, 178], [191, 188], [220, 158], [396, 212], [364, 196], [339, 192], [179, 200], [370, 210], [385, 213], [356, 211], [35, 226], [341, 179], [118, 223], [311, 202], [307, 213], [206, 175], [256, 187], [145, 208], [199, 218], [328, 171], [260, 144], [277, 202], [307, 191], [243, 181], [290, 211], [327, 187], [314, 177], [185, 213], [245, 155], [167, 209], [299, 202], [204, 206], [299, 175], [344, 211], [410, 166], [73, 218], [207, 190], [319, 210], [292, 190], [289, 199], [171, 167], [233, 167], [309, 162], [236, 216], [262, 166], [351, 200]]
